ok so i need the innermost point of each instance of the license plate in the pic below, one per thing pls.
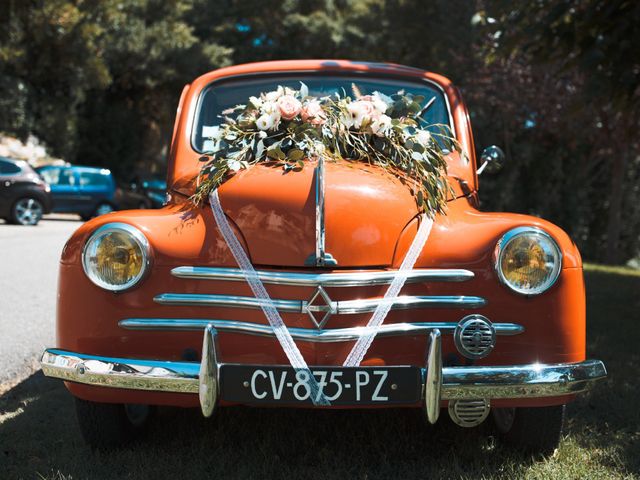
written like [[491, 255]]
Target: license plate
[[252, 384]]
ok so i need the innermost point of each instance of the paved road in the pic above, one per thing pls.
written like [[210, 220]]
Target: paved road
[[28, 278]]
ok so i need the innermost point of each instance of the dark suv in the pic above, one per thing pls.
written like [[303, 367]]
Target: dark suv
[[24, 196]]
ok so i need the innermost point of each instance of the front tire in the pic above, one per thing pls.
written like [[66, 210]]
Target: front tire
[[26, 211], [111, 425], [534, 430], [101, 209]]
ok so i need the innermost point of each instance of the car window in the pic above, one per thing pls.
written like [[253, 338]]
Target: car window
[[8, 168], [94, 179], [58, 176], [221, 95]]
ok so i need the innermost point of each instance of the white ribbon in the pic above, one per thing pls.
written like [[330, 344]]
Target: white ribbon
[[271, 312], [363, 343], [280, 330]]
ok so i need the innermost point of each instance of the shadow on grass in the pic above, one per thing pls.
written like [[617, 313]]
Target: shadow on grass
[[607, 420], [39, 434]]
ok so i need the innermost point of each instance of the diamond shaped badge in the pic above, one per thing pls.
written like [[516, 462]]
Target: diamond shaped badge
[[320, 306]]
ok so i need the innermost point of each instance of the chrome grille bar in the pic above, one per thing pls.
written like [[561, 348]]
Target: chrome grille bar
[[303, 334], [337, 279], [338, 307]]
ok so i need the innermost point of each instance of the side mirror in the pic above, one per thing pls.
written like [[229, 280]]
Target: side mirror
[[491, 160]]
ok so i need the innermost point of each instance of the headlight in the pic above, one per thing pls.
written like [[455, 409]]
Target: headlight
[[116, 256], [528, 260]]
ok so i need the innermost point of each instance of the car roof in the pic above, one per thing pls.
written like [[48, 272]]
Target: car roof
[[82, 168], [12, 160]]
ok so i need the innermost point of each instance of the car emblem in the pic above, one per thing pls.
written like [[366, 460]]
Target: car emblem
[[324, 305]]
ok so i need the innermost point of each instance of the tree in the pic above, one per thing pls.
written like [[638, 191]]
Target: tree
[[599, 43]]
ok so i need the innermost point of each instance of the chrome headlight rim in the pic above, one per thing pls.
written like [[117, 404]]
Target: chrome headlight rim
[[510, 236], [137, 236]]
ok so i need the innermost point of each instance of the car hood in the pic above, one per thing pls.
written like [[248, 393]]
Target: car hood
[[366, 211]]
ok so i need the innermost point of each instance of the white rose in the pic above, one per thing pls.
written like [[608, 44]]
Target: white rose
[[265, 122], [382, 97], [381, 125], [346, 120], [234, 165], [423, 137], [269, 107], [381, 101], [357, 114], [380, 106], [255, 101], [274, 95]]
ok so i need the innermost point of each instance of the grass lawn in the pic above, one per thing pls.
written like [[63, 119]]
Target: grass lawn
[[39, 437]]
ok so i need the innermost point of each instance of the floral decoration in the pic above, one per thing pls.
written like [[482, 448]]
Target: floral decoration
[[287, 127]]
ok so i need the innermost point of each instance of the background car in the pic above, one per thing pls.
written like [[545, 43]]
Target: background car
[[24, 196], [142, 193], [88, 191], [153, 188]]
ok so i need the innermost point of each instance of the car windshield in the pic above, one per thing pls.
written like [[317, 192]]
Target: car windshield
[[228, 93]]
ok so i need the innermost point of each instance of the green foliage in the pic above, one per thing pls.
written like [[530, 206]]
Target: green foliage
[[553, 82], [76, 73]]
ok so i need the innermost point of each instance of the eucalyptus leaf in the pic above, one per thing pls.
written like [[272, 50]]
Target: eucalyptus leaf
[[259, 149], [295, 155]]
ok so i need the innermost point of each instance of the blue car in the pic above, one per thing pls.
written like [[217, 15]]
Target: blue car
[[86, 191]]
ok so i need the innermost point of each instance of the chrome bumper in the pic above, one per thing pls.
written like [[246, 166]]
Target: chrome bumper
[[439, 383]]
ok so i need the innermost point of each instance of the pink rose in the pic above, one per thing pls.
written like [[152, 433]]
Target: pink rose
[[312, 112], [289, 106], [367, 108], [362, 111]]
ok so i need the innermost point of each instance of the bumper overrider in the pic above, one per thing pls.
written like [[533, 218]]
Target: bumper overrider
[[438, 383]]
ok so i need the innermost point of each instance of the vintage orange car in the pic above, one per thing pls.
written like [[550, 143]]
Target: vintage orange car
[[154, 310]]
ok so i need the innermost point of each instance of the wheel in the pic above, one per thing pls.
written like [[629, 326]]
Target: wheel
[[535, 430], [110, 425], [27, 211], [103, 209]]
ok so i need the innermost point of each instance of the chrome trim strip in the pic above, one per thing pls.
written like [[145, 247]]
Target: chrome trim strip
[[520, 381], [303, 334], [320, 258], [508, 381], [403, 302], [336, 279], [231, 301], [155, 375], [320, 212]]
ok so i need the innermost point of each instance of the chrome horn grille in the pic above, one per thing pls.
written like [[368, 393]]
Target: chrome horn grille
[[469, 413], [475, 336]]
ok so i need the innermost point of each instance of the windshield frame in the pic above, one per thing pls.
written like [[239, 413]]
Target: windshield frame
[[191, 127]]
